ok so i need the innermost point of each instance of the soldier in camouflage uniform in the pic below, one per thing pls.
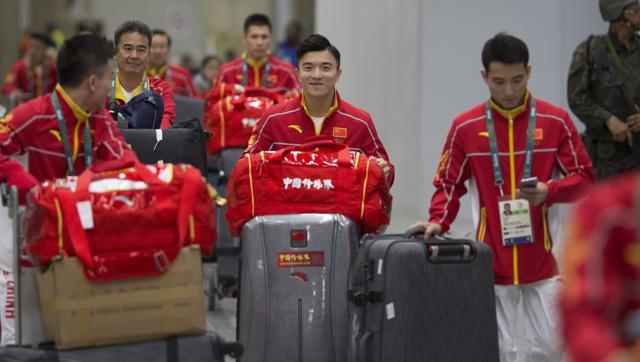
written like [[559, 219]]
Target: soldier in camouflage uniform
[[604, 89]]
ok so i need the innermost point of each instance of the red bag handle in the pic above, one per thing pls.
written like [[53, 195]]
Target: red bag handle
[[77, 235], [260, 92], [344, 155], [86, 176], [112, 165], [257, 92]]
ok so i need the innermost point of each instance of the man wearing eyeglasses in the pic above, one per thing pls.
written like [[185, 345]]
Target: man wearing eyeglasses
[[604, 89]]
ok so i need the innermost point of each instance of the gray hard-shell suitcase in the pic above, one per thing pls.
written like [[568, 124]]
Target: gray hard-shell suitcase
[[205, 347], [293, 287], [422, 300]]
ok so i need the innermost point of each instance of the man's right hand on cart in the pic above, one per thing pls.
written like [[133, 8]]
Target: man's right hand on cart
[[13, 174]]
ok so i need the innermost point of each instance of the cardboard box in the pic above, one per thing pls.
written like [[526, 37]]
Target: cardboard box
[[80, 313]]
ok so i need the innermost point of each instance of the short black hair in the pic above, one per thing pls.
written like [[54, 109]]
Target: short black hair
[[256, 20], [132, 26], [317, 43], [163, 33], [504, 48], [81, 56], [209, 58], [89, 26], [42, 38]]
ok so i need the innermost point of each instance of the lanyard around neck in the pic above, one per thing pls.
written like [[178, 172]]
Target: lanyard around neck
[[37, 82], [245, 71], [62, 126], [493, 143], [112, 95]]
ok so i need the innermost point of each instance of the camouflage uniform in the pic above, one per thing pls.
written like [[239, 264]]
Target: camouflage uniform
[[595, 91]]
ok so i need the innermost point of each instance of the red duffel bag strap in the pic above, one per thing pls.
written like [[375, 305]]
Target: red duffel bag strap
[[261, 92], [69, 201], [75, 231], [240, 212], [192, 183], [322, 143], [375, 199], [85, 178]]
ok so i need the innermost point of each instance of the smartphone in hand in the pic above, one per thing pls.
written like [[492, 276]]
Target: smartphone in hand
[[529, 182]]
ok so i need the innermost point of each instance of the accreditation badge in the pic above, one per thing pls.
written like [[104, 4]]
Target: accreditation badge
[[515, 222]]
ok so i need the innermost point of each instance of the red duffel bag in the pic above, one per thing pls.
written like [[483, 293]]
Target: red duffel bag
[[231, 120], [316, 177], [121, 219]]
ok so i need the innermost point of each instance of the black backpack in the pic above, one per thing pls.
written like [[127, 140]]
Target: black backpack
[[143, 111]]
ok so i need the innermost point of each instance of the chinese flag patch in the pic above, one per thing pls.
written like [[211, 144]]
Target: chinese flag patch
[[537, 135], [339, 132]]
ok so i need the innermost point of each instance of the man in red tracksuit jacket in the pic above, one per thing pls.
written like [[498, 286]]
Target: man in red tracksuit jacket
[[33, 76], [177, 77], [34, 128], [257, 67], [495, 145], [600, 302], [319, 110], [133, 41]]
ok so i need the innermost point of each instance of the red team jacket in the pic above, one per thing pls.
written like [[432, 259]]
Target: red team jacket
[[32, 128], [602, 270], [288, 124], [282, 77], [178, 78], [163, 89], [559, 159], [25, 79]]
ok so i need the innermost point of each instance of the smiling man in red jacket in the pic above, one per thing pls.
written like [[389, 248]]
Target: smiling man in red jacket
[[319, 110], [133, 43], [494, 145]]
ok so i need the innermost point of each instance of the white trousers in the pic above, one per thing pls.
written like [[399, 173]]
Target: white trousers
[[540, 329]]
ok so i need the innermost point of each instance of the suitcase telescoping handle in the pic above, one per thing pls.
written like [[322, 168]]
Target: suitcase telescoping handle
[[442, 250]]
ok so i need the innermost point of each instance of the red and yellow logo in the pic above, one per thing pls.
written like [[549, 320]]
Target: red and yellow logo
[[442, 164], [5, 128], [9, 78], [295, 127], [300, 259]]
